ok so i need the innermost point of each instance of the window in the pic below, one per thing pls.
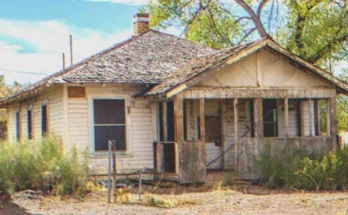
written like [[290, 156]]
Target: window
[[270, 118], [29, 125], [109, 123], [44, 123], [18, 126]]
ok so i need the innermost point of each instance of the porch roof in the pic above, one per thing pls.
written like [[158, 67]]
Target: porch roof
[[190, 73]]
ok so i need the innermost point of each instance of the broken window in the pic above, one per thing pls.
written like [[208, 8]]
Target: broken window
[[109, 123], [213, 130]]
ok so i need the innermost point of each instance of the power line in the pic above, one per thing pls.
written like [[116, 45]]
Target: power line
[[23, 72]]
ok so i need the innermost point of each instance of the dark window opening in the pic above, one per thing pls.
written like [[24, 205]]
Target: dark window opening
[[213, 130], [29, 125], [170, 121], [316, 117], [44, 118], [18, 127], [185, 119], [169, 157], [160, 123], [270, 118], [322, 113], [109, 123], [298, 117]]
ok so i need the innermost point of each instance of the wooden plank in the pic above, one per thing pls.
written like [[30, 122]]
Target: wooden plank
[[202, 120], [164, 120], [178, 120], [235, 117], [253, 92], [258, 69], [286, 116], [258, 125]]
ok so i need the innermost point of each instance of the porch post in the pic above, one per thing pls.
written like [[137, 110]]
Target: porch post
[[258, 125], [328, 114], [286, 116], [223, 132], [333, 121], [311, 117], [178, 119], [235, 117], [202, 120]]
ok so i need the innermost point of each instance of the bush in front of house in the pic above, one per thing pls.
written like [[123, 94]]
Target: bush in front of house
[[297, 170], [40, 166]]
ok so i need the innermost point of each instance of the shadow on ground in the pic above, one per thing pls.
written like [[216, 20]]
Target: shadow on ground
[[9, 207]]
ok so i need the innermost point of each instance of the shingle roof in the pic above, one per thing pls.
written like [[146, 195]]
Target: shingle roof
[[147, 58], [198, 66]]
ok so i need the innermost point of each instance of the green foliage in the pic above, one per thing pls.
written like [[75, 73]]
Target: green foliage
[[297, 170], [43, 165]]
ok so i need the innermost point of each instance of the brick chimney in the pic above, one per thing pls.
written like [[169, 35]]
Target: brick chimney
[[140, 23]]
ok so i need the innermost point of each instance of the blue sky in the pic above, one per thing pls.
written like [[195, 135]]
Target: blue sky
[[34, 33]]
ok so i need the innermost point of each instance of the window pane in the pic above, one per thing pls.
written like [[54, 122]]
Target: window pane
[[102, 134], [110, 111]]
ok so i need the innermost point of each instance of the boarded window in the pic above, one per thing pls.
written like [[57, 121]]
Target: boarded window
[[29, 125], [109, 123], [18, 126], [44, 120], [213, 130], [76, 92]]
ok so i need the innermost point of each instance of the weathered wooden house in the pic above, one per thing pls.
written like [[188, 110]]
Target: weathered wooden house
[[179, 107]]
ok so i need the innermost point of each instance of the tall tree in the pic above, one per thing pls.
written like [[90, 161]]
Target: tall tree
[[315, 30]]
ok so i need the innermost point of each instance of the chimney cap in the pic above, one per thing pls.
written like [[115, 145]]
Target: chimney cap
[[141, 17]]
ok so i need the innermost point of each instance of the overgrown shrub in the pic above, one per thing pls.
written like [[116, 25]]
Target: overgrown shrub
[[42, 165], [295, 169]]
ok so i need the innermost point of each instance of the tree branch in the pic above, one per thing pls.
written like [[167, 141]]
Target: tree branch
[[261, 5], [256, 20]]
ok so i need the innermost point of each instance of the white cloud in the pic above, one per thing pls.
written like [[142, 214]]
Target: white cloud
[[49, 39], [131, 2]]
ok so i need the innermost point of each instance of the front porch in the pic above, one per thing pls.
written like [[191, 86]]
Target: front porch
[[200, 134]]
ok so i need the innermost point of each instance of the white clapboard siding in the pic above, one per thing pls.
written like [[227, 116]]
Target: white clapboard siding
[[139, 127], [53, 96]]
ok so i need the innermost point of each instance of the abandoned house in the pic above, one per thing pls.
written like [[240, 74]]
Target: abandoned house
[[178, 107]]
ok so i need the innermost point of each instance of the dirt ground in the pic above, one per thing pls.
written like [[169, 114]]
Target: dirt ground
[[237, 199]]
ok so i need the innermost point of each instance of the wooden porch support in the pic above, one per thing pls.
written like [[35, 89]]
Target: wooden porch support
[[311, 118], [235, 117], [286, 116], [164, 120], [178, 120], [328, 114], [202, 120], [258, 125], [333, 121], [223, 132]]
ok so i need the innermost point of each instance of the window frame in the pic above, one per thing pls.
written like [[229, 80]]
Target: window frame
[[128, 151]]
